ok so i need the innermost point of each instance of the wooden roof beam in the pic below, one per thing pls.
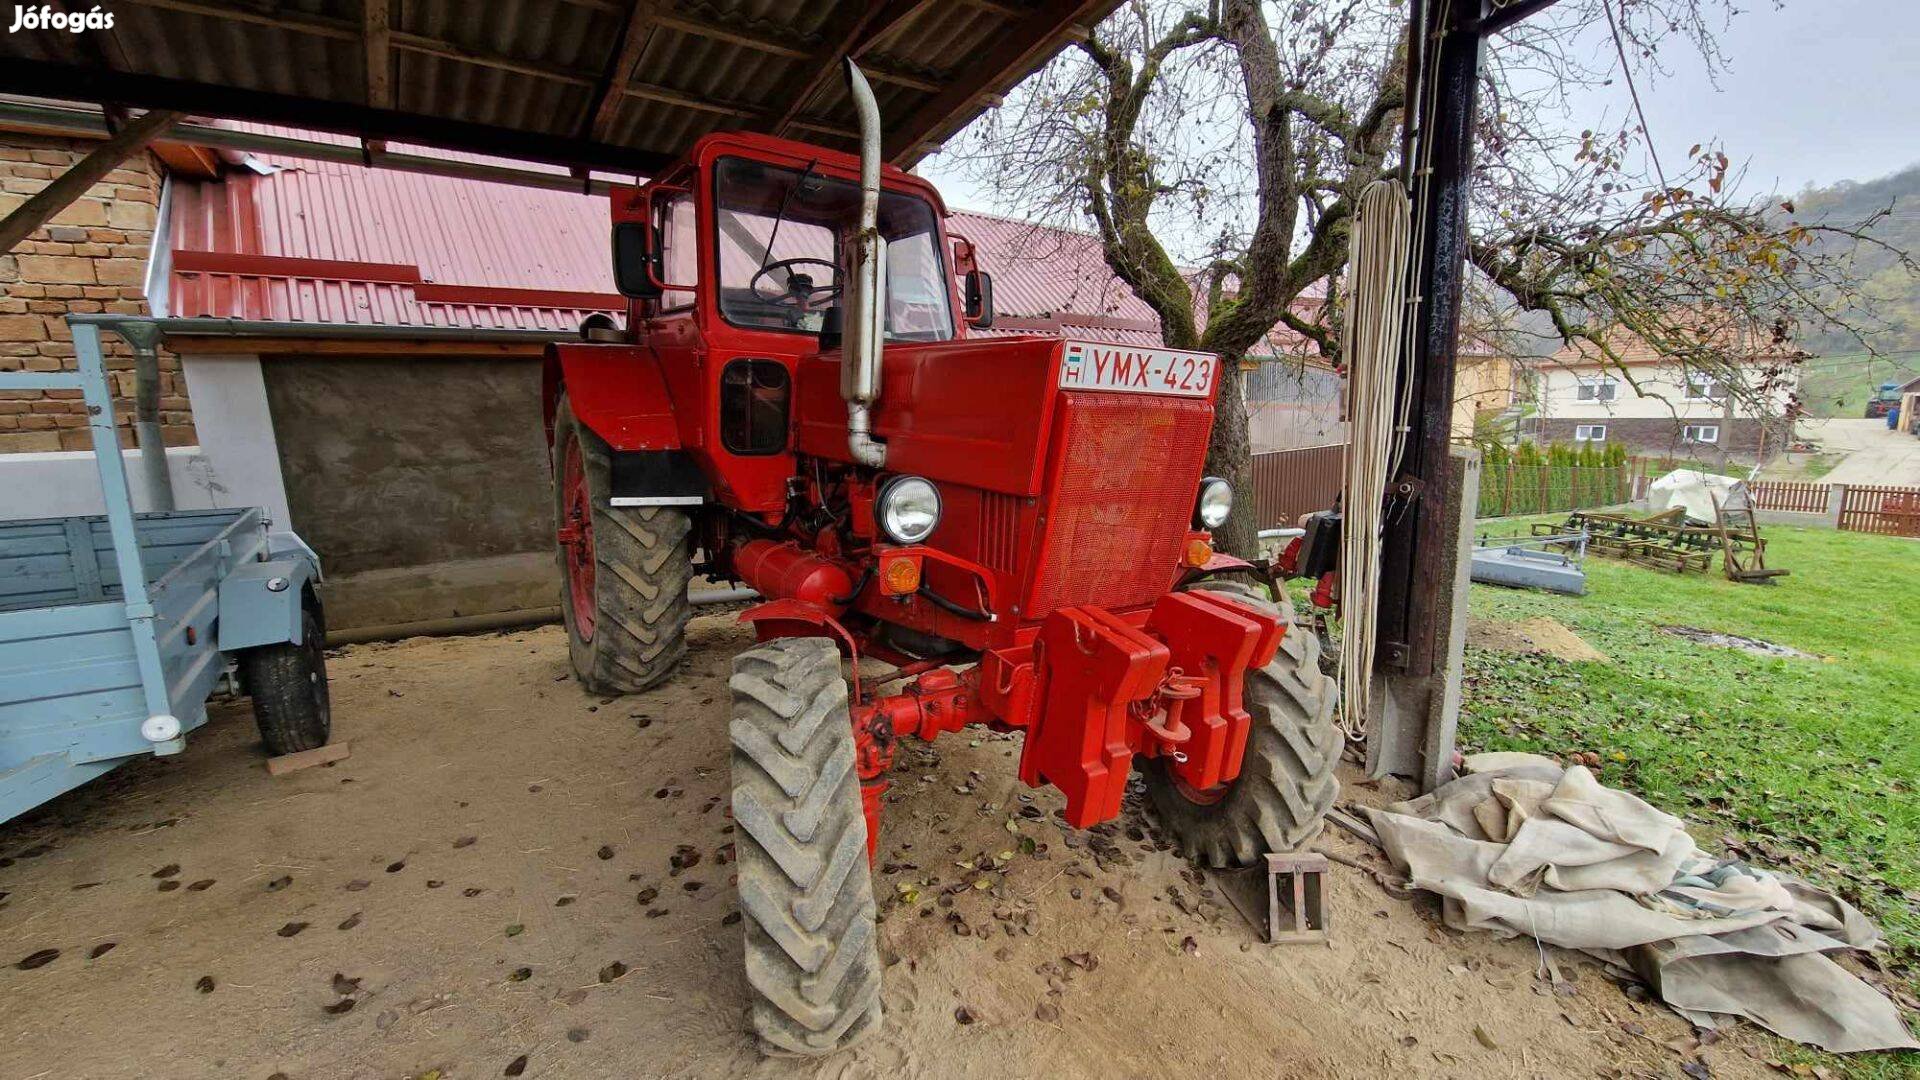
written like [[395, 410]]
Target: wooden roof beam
[[879, 18], [377, 31], [1015, 53], [642, 18]]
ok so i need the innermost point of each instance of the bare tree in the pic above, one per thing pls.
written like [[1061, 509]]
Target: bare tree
[[1218, 146]]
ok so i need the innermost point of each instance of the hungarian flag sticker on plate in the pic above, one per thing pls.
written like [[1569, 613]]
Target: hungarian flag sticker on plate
[[1093, 366]]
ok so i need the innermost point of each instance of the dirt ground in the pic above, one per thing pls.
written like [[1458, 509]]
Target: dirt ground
[[1543, 636], [509, 877]]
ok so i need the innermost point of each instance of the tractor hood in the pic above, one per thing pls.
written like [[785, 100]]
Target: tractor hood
[[980, 412], [1069, 469]]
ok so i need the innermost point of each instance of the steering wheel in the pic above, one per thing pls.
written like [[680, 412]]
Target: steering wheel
[[800, 291]]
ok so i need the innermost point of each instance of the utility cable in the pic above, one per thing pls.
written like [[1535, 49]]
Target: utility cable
[[1378, 253]]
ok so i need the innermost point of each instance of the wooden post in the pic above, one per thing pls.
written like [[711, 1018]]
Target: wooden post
[[70, 185], [1836, 503]]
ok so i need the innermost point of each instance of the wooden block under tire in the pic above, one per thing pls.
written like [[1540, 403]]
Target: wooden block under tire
[[307, 759]]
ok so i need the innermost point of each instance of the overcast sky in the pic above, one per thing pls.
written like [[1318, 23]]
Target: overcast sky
[[1818, 91]]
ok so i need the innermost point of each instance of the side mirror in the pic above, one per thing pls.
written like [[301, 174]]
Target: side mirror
[[832, 328], [633, 260], [979, 299]]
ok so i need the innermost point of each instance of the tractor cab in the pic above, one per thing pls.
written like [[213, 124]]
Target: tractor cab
[[768, 226]]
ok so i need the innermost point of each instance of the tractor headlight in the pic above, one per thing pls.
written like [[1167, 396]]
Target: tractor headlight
[[1215, 503], [907, 509]]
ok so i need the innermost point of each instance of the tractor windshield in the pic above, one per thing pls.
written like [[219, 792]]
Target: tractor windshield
[[783, 235]]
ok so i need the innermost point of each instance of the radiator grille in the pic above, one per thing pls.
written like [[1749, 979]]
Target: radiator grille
[[999, 524], [1122, 485]]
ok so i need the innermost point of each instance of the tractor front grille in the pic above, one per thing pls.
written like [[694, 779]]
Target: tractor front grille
[[1122, 478], [999, 532]]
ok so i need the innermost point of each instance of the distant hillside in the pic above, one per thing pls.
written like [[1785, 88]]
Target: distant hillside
[[1842, 373]]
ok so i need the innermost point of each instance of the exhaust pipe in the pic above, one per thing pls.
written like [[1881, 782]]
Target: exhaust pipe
[[866, 292]]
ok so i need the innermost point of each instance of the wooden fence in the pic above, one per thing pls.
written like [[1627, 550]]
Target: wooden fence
[[1889, 511], [1789, 496], [1289, 483]]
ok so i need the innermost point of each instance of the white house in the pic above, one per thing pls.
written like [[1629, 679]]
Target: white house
[[1657, 405]]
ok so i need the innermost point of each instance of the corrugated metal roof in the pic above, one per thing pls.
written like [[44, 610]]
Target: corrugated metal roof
[[296, 240], [1040, 270], [468, 234], [610, 83]]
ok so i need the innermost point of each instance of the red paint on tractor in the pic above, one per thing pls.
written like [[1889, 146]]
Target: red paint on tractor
[[785, 571], [1066, 526]]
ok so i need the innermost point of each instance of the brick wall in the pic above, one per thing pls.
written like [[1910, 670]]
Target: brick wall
[[92, 257], [1740, 439]]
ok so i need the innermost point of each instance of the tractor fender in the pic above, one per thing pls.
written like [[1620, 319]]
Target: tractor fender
[[617, 391], [1221, 564], [788, 617]]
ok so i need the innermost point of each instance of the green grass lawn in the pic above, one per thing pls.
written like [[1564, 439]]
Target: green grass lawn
[[1808, 765]]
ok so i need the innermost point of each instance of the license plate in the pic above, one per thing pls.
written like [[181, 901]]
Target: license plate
[[1092, 366]]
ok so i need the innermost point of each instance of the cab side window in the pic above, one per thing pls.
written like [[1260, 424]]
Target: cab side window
[[678, 252]]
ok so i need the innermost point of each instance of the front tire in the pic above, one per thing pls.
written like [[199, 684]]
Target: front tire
[[288, 684], [805, 886], [1286, 784], [623, 570]]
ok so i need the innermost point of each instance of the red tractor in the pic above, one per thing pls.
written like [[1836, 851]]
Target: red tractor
[[1016, 526]]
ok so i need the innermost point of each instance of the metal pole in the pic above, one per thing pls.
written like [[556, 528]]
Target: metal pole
[[1414, 548], [145, 339], [160, 728]]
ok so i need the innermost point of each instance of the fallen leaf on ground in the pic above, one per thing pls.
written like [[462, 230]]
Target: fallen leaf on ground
[[40, 958]]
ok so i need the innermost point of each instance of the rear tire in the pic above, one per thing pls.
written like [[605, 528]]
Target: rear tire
[[288, 684], [623, 578], [1286, 784], [805, 886]]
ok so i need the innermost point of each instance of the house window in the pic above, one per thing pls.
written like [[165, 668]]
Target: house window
[[1598, 388], [1702, 388], [1590, 433], [1700, 433]]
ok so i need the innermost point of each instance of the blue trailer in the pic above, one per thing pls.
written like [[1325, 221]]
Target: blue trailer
[[114, 629]]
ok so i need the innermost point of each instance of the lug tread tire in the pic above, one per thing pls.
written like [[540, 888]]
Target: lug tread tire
[[643, 562], [1287, 784], [805, 887], [288, 684]]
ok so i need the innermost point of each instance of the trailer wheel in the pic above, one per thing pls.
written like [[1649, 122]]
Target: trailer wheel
[[1286, 784], [288, 684], [623, 570], [805, 887]]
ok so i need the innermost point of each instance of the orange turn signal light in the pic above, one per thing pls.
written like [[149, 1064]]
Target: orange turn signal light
[[900, 576], [1198, 553]]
